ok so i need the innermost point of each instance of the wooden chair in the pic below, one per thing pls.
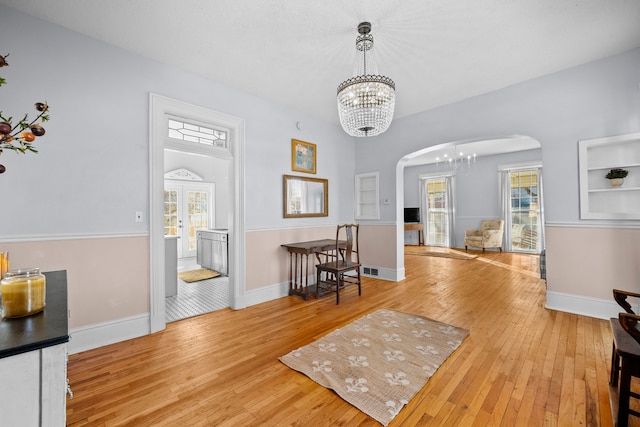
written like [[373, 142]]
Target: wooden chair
[[342, 265], [625, 359]]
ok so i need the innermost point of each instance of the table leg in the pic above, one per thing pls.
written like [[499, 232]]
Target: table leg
[[615, 366], [296, 283], [293, 273], [299, 275], [290, 272], [306, 277]]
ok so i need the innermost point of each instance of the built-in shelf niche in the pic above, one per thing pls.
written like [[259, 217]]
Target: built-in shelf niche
[[367, 196], [598, 199]]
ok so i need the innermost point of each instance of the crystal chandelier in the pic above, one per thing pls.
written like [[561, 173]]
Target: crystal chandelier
[[366, 101]]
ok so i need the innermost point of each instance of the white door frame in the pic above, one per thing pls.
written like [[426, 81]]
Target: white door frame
[[159, 109]]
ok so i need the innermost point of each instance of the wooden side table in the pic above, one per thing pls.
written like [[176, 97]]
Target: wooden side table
[[419, 227], [299, 264]]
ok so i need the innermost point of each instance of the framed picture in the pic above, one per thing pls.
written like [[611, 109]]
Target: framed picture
[[303, 156]]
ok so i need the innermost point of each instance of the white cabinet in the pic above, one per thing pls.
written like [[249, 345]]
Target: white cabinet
[[33, 389], [212, 250], [367, 196], [598, 199]]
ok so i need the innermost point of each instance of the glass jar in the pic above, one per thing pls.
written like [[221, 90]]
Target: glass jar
[[22, 292]]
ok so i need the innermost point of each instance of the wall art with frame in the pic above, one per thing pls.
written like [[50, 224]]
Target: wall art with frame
[[303, 156]]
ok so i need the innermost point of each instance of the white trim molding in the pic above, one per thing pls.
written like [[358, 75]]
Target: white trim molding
[[594, 224], [101, 334], [585, 306], [183, 174]]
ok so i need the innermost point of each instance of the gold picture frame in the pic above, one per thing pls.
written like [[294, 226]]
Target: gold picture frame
[[303, 156]]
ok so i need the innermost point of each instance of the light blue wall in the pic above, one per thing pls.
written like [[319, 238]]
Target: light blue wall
[[92, 172]]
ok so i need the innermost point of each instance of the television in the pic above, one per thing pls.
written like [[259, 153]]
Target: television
[[411, 215]]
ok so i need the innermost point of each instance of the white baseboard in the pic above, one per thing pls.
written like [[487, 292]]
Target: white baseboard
[[267, 293], [101, 334], [585, 306]]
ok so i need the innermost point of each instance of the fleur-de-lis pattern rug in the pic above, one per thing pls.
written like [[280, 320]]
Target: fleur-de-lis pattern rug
[[380, 361]]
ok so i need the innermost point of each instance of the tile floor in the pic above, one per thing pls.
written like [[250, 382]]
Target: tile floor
[[197, 298]]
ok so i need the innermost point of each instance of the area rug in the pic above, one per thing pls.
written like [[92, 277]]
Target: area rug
[[380, 361], [197, 275], [454, 255]]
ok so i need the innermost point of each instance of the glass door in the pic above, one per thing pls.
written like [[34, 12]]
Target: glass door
[[187, 208]]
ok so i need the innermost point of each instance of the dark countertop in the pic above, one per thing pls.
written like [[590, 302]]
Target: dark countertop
[[47, 328]]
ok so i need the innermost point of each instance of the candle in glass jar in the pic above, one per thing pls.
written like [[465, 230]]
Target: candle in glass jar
[[22, 293]]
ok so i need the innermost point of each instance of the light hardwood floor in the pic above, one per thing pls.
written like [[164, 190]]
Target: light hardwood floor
[[521, 365]]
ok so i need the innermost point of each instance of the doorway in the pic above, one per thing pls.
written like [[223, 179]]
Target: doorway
[[191, 206], [163, 109], [476, 179]]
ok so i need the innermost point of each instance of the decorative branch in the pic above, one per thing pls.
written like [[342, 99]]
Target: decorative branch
[[20, 137]]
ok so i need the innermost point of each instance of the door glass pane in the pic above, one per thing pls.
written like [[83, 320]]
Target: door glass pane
[[197, 134], [524, 210], [170, 212], [197, 213]]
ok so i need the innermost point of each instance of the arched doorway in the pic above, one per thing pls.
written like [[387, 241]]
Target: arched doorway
[[475, 161]]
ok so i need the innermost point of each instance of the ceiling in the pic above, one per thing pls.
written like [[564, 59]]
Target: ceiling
[[296, 52]]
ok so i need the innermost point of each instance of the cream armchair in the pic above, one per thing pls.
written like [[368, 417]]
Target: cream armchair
[[489, 235]]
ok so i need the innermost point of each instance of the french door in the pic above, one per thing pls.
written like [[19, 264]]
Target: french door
[[187, 208]]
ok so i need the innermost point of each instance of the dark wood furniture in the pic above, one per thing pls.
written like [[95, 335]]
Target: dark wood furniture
[[419, 227], [332, 275], [299, 263], [625, 359]]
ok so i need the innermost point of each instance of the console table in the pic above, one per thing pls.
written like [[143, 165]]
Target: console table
[[419, 227], [299, 263]]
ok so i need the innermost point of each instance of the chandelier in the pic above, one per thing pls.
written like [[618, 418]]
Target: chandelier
[[457, 161], [366, 101]]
